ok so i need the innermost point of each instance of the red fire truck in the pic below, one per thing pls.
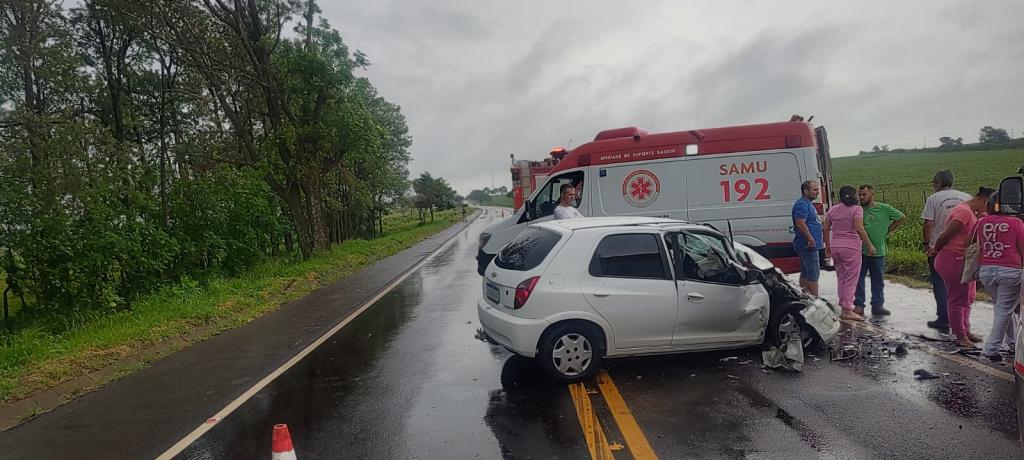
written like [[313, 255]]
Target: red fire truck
[[526, 174]]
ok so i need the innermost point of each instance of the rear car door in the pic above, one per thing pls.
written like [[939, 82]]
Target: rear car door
[[716, 304], [628, 281]]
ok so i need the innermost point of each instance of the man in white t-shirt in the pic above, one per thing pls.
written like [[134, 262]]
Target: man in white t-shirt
[[935, 213], [565, 209]]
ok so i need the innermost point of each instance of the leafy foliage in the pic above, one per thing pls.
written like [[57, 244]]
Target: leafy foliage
[[142, 143]]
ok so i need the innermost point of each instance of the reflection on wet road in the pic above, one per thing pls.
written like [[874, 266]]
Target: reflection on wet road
[[411, 378]]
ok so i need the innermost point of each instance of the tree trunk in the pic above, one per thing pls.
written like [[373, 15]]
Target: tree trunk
[[315, 211], [291, 195], [7, 316]]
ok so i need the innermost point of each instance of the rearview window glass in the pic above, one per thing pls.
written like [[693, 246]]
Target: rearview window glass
[[527, 250]]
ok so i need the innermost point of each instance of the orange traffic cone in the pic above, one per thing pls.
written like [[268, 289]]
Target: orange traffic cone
[[282, 447]]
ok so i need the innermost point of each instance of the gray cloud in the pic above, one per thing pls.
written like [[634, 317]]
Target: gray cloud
[[478, 81]]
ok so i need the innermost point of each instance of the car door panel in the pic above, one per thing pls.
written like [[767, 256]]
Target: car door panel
[[641, 312], [716, 304], [628, 282], [712, 313]]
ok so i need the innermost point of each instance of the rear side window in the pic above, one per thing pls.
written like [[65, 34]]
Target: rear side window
[[527, 250], [629, 256]]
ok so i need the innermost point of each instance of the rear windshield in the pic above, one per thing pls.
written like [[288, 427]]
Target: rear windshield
[[528, 250]]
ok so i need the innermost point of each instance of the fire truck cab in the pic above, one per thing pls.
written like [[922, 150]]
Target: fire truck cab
[[740, 179]]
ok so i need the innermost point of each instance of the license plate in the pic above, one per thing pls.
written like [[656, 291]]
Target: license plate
[[492, 293]]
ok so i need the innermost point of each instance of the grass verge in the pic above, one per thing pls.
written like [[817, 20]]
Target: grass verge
[[904, 181], [32, 360]]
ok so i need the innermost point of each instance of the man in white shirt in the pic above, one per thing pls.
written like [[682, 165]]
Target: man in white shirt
[[565, 209], [935, 213]]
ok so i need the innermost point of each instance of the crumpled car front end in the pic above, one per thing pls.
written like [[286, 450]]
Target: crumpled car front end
[[816, 315], [823, 317]]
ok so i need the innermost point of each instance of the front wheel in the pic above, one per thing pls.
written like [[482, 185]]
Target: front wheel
[[570, 353], [786, 324]]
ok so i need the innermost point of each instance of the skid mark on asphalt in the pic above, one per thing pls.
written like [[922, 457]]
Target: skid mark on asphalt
[[1006, 376], [597, 440]]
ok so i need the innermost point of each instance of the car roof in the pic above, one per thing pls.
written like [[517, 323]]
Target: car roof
[[619, 222]]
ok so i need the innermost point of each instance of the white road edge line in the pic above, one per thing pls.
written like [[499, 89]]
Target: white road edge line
[[182, 444]]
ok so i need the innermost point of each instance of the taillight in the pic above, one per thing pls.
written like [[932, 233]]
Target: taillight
[[820, 208], [523, 292]]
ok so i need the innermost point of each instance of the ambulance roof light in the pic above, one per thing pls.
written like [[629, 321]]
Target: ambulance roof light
[[631, 131]]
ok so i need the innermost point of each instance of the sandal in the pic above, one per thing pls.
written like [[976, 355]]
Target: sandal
[[851, 316], [965, 343], [973, 338]]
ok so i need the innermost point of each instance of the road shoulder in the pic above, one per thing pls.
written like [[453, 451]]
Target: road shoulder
[[166, 396]]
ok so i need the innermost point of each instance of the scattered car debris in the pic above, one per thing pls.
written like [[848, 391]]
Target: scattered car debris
[[950, 339], [728, 358], [921, 374]]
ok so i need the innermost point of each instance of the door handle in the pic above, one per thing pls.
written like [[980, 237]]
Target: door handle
[[694, 297], [601, 294]]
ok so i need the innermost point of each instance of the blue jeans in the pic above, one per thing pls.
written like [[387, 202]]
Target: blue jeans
[[939, 291], [875, 265]]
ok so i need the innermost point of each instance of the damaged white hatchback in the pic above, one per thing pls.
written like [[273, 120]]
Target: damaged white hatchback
[[573, 292]]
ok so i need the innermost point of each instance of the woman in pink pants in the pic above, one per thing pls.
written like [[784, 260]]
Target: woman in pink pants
[[844, 236], [949, 263]]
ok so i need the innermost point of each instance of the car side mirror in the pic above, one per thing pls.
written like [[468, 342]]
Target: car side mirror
[[1011, 195]]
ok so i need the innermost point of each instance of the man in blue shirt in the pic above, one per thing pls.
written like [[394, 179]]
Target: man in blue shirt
[[808, 241]]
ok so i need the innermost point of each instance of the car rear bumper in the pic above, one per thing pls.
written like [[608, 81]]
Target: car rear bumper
[[519, 335]]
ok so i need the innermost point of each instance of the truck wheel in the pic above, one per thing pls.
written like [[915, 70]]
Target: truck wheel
[[570, 353]]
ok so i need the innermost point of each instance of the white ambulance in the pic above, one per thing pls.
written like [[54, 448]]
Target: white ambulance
[[739, 179]]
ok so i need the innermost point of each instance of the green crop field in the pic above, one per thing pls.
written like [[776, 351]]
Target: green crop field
[[904, 180]]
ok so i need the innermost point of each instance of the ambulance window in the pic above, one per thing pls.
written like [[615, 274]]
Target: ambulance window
[[546, 200]]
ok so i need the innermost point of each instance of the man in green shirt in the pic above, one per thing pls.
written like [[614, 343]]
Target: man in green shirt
[[880, 220]]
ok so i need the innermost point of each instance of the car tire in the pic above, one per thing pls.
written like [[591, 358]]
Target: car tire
[[787, 321], [570, 352]]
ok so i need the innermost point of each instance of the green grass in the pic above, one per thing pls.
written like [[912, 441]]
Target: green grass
[[502, 200], [904, 180], [32, 359]]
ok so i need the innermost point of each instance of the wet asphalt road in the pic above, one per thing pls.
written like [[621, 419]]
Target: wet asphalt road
[[411, 378]]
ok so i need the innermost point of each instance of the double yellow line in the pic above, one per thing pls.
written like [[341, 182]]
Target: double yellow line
[[597, 441]]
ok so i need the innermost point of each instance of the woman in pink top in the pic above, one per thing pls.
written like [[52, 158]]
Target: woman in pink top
[[844, 236], [949, 263], [1001, 246]]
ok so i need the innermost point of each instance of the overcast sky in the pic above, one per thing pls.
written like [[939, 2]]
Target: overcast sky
[[478, 80]]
